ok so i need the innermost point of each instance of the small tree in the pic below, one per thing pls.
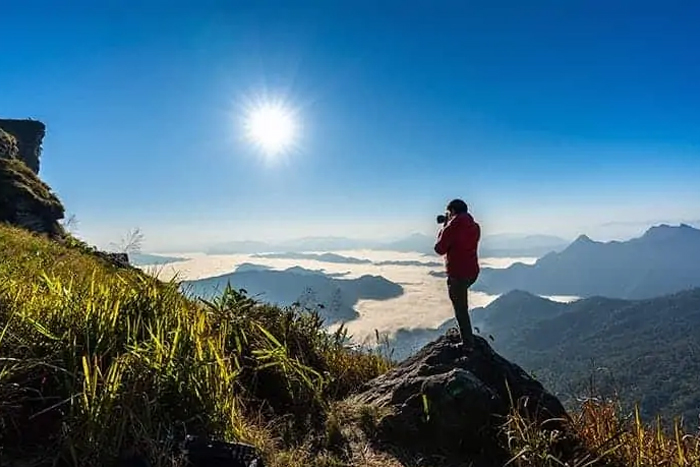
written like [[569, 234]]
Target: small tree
[[131, 242], [70, 224]]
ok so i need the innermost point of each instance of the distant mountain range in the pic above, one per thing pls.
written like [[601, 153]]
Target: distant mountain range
[[146, 259], [666, 259], [644, 349], [340, 259], [323, 257], [301, 245], [307, 287], [499, 245]]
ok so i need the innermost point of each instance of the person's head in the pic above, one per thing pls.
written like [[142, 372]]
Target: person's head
[[457, 206]]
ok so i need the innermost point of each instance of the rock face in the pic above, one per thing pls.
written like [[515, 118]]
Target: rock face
[[25, 200], [8, 145], [29, 135], [448, 402]]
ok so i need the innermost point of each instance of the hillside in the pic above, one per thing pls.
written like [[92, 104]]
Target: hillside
[[98, 359], [647, 350], [647, 347], [662, 261], [338, 296]]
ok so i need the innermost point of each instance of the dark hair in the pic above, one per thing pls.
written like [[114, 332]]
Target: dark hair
[[457, 206]]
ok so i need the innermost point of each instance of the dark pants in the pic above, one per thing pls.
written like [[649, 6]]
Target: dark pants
[[458, 290]]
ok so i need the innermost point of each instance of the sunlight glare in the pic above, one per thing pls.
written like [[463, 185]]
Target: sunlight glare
[[272, 127]]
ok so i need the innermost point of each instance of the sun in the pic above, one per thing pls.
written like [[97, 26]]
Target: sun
[[273, 127]]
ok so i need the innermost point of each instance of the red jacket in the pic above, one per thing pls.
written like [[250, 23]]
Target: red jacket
[[459, 240]]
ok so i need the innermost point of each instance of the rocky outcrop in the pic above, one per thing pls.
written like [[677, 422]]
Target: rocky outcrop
[[28, 135], [449, 402], [26, 201], [8, 145]]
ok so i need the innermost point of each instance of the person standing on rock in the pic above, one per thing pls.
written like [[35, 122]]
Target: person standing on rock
[[458, 240]]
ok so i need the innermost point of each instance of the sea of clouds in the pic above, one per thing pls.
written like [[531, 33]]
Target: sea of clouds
[[424, 304]]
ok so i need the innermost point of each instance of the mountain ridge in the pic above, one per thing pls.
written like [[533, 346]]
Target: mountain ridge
[[496, 245], [657, 263]]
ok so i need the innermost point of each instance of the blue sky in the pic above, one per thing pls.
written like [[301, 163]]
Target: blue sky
[[550, 117]]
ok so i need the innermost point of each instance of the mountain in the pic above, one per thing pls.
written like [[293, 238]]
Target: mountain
[[307, 287], [324, 244], [664, 260], [323, 257], [643, 349], [499, 245], [147, 259], [238, 247], [414, 243], [340, 259], [426, 264], [299, 245], [512, 245]]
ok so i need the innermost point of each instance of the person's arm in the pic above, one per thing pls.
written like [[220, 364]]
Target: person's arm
[[444, 239]]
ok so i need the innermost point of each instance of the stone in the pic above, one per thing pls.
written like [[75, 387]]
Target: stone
[[29, 135], [204, 452], [26, 201], [451, 402], [8, 145], [118, 259]]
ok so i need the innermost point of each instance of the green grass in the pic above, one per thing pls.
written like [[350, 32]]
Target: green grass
[[97, 360]]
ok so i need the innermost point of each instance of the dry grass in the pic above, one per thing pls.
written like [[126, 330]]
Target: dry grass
[[601, 436]]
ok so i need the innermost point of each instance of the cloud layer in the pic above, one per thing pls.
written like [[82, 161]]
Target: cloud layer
[[424, 304]]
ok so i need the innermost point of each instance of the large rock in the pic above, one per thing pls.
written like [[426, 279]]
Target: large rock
[[8, 145], [448, 402], [26, 201], [28, 135]]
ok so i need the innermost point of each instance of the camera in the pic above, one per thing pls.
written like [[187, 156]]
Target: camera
[[441, 219]]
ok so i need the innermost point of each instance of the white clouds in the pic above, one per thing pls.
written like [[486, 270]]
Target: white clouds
[[424, 304]]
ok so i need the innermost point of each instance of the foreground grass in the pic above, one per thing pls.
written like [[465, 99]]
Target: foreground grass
[[96, 361], [605, 438]]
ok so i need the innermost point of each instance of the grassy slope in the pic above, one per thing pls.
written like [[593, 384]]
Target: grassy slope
[[95, 360]]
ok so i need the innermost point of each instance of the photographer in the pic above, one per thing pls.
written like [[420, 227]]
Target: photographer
[[458, 239]]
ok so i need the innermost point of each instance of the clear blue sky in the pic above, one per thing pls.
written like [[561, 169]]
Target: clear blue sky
[[546, 116]]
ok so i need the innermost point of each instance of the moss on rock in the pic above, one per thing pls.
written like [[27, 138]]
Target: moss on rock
[[8, 145], [26, 201]]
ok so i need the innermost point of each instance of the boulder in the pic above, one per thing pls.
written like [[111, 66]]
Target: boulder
[[26, 201], [446, 401], [120, 260], [29, 135]]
